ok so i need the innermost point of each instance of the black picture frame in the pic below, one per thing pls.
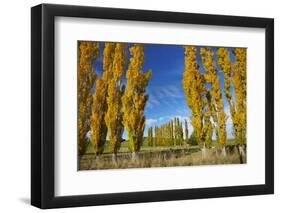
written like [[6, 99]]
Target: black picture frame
[[43, 102]]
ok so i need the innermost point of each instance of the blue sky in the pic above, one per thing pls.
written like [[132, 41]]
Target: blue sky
[[166, 95]]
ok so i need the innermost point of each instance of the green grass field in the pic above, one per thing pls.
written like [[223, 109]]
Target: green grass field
[[146, 147], [159, 156]]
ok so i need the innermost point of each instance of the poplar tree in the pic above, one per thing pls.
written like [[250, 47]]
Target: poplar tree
[[99, 106], [235, 74], [169, 134], [88, 53], [186, 131], [180, 132], [172, 132], [240, 86], [134, 99], [208, 127], [114, 114], [175, 132], [213, 79], [155, 136], [150, 136], [195, 90]]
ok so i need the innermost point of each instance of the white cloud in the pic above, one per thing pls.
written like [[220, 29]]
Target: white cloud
[[170, 94], [152, 101], [170, 91], [150, 122]]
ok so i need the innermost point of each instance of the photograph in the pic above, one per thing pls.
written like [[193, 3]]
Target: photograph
[[160, 105], [170, 104]]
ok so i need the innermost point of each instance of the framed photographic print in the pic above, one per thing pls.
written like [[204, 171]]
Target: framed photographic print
[[139, 106]]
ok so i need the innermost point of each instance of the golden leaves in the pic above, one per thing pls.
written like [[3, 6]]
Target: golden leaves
[[205, 103], [134, 98], [169, 134], [195, 89], [240, 87], [235, 74], [88, 53], [186, 131], [99, 107], [212, 78], [150, 136], [114, 114]]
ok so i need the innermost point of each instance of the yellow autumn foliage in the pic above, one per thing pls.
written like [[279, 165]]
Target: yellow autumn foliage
[[169, 134], [114, 114], [195, 90], [240, 86], [88, 53], [235, 74], [134, 98], [217, 103], [150, 136], [186, 131], [178, 132], [99, 106]]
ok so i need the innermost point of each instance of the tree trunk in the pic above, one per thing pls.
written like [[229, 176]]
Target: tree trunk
[[204, 151], [97, 157], [223, 152], [241, 153], [114, 158], [134, 156]]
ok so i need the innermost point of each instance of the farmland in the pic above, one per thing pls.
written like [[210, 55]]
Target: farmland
[[159, 156], [157, 105]]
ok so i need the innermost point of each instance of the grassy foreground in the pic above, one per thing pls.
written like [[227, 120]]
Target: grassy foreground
[[160, 157]]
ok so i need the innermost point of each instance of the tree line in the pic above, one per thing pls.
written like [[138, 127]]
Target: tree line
[[206, 104], [168, 134], [113, 106], [108, 107]]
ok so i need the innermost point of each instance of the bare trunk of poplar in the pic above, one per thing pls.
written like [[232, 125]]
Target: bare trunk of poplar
[[241, 152], [114, 158], [97, 157], [134, 156], [97, 160], [204, 151], [223, 152]]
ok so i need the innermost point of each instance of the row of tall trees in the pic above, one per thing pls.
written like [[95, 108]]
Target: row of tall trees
[[206, 102], [134, 99], [198, 99], [217, 104], [235, 75], [88, 52], [106, 106], [112, 106], [169, 134]]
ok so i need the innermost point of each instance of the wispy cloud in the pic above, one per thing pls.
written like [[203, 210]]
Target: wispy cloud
[[164, 95], [169, 91], [150, 122], [152, 101]]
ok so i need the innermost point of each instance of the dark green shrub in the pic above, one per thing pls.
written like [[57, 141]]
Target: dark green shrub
[[193, 141]]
